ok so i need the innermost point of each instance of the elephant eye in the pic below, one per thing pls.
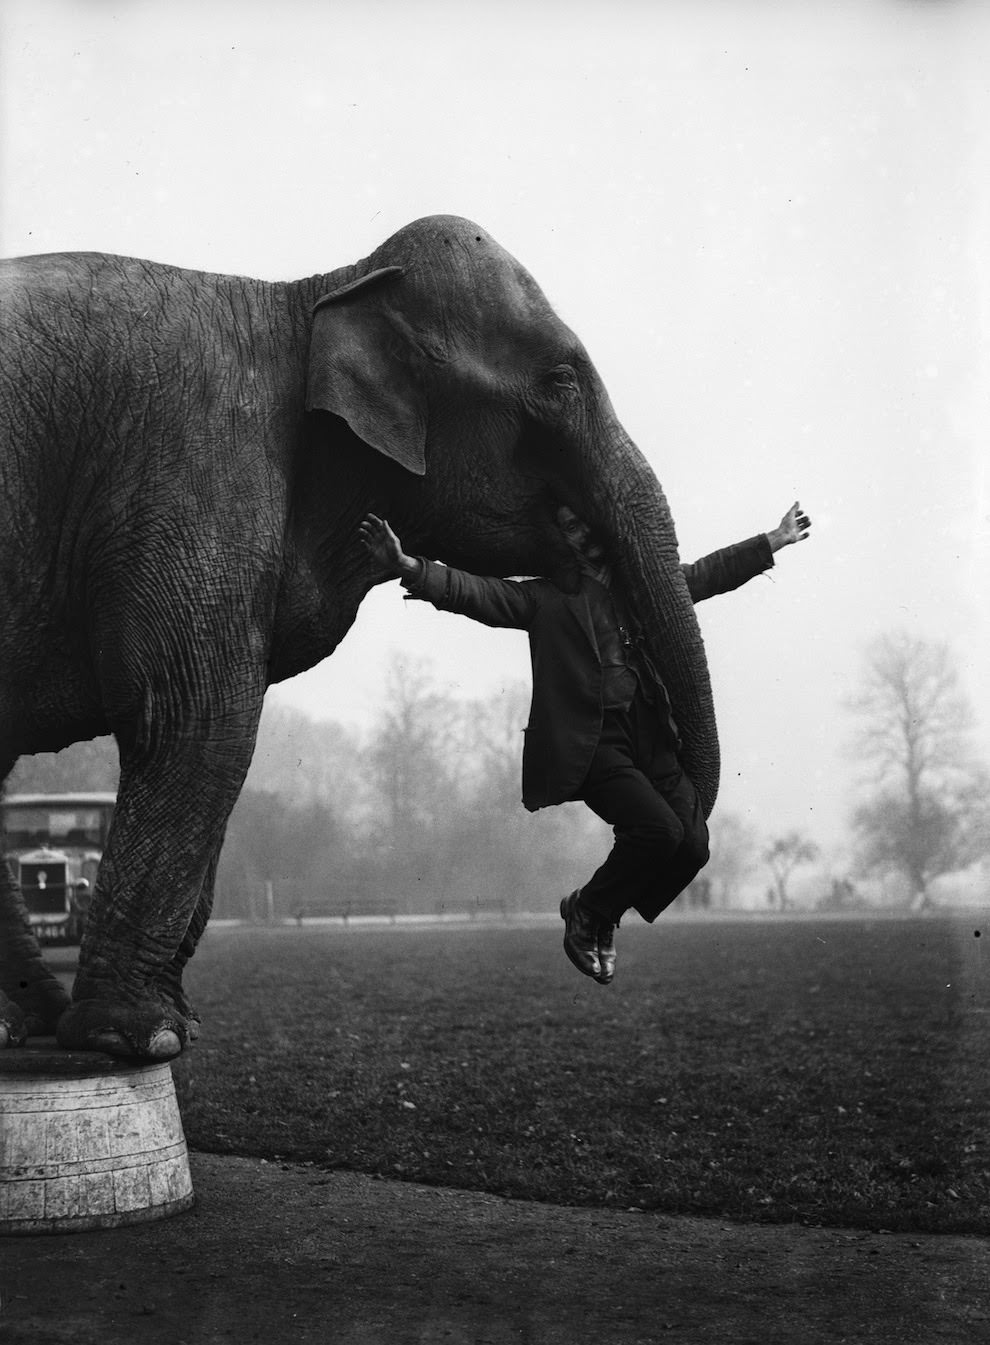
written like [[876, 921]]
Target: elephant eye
[[562, 379]]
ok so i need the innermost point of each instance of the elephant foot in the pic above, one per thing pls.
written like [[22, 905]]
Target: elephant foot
[[13, 1025], [172, 994], [148, 1030], [31, 1009]]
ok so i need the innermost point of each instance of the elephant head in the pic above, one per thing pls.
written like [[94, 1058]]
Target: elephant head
[[442, 353]]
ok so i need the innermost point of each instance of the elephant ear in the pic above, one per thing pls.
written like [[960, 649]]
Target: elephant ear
[[360, 368]]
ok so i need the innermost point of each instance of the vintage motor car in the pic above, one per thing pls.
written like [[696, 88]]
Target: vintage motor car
[[55, 901], [53, 843]]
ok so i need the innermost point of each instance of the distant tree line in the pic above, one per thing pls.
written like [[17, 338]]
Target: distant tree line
[[422, 812]]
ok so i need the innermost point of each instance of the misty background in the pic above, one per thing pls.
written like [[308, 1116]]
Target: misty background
[[768, 223]]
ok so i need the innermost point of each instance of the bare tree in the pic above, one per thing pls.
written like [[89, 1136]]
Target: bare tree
[[927, 812], [784, 854], [305, 760], [414, 769], [733, 849]]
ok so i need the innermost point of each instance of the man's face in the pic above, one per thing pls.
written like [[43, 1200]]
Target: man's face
[[578, 535]]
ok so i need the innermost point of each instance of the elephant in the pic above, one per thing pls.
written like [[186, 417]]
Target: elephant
[[186, 458]]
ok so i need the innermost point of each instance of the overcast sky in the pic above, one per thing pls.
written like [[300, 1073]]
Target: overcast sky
[[768, 222]]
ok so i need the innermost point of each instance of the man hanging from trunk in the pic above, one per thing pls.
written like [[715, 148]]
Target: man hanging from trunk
[[600, 727]]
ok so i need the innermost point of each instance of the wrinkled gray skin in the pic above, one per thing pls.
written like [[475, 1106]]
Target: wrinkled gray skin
[[185, 461]]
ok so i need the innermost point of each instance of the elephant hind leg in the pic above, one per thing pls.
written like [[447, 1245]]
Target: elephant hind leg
[[31, 998]]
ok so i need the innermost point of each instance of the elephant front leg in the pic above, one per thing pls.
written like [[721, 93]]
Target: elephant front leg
[[148, 909], [31, 998]]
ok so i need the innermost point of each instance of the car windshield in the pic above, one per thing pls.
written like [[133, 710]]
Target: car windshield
[[34, 826]]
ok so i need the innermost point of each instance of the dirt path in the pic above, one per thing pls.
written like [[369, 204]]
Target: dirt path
[[279, 1252]]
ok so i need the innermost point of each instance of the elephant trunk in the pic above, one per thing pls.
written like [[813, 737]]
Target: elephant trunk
[[628, 504]]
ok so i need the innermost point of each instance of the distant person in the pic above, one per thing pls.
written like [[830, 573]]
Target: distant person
[[635, 781]]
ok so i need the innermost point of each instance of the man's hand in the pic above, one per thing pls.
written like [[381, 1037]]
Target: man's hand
[[793, 527], [385, 550]]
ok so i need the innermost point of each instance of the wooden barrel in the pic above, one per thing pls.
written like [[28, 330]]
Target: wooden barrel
[[87, 1141]]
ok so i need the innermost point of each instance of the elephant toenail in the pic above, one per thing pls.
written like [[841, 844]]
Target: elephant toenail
[[164, 1045]]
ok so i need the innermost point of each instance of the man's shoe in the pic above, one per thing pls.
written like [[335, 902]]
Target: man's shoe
[[606, 954], [580, 936]]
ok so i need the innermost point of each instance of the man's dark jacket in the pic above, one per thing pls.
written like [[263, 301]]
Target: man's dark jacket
[[565, 718]]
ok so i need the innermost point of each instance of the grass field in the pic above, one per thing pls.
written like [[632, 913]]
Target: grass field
[[832, 1072]]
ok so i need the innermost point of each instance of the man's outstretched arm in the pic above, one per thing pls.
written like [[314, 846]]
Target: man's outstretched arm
[[495, 602], [735, 565]]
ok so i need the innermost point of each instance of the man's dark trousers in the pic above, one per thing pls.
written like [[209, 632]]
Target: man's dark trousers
[[636, 784]]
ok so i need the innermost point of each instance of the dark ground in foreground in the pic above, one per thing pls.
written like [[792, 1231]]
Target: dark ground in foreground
[[772, 1071], [280, 1252], [297, 1251]]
